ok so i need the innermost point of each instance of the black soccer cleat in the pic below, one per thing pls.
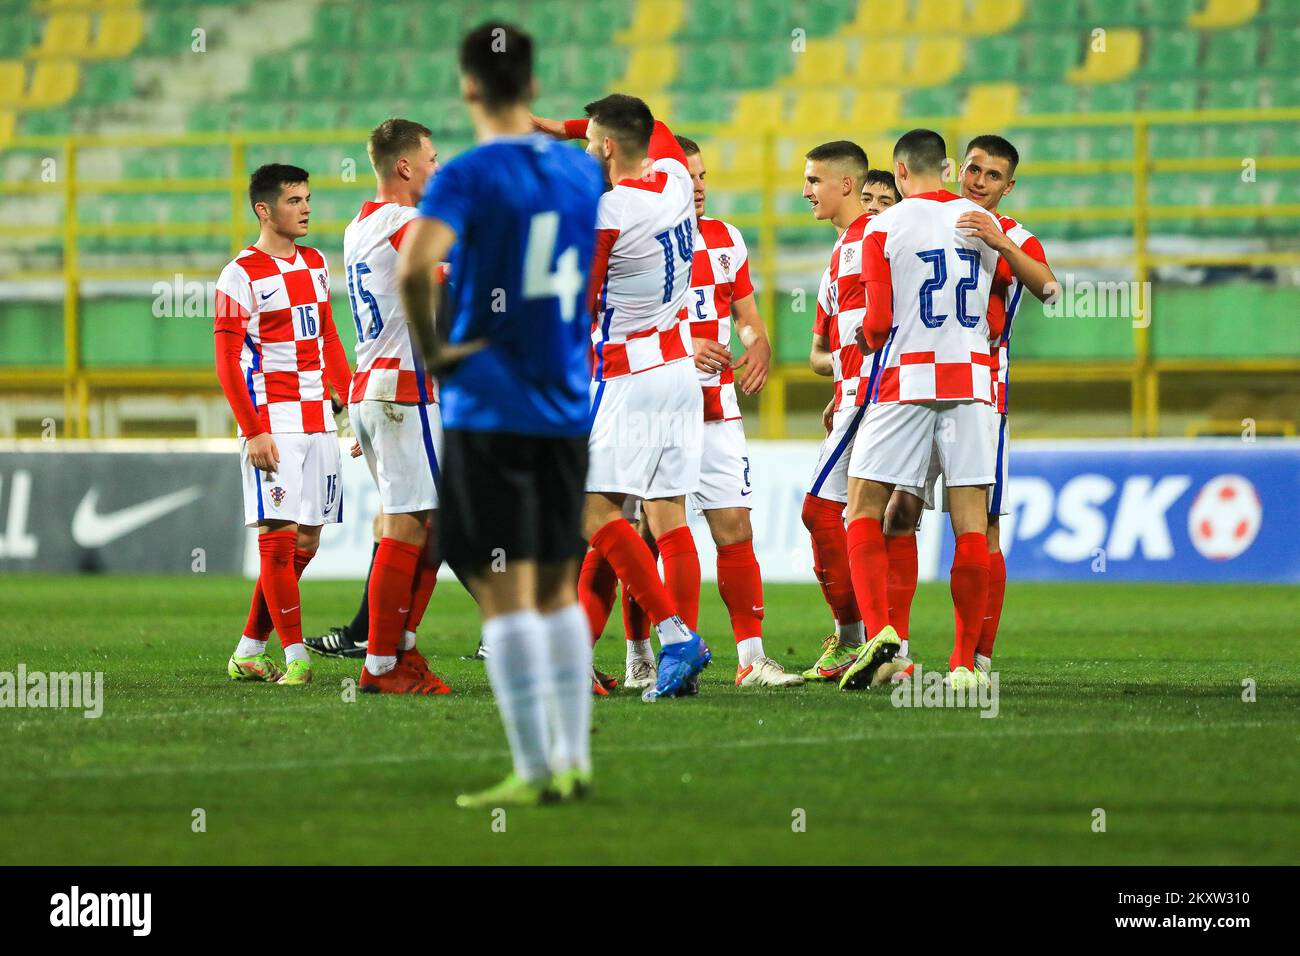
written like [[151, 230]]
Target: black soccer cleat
[[479, 654], [337, 643]]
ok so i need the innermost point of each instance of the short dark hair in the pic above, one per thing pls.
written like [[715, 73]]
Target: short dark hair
[[391, 139], [626, 119], [688, 145], [265, 183], [499, 58], [923, 150], [883, 177], [842, 151], [998, 147]]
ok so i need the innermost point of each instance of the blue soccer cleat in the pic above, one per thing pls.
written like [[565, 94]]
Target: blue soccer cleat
[[678, 663]]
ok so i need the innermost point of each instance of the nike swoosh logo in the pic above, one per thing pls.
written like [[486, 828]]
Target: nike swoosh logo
[[403, 610], [90, 529], [267, 296], [744, 493], [286, 610], [756, 610]]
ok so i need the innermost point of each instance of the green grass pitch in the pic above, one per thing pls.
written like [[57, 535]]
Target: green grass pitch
[[1124, 698]]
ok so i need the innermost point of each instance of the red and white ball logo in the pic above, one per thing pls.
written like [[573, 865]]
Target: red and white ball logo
[[1225, 517]]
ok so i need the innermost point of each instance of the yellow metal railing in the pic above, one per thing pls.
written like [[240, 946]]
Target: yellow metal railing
[[1142, 373]]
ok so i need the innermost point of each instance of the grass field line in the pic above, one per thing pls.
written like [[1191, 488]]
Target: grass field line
[[173, 769]]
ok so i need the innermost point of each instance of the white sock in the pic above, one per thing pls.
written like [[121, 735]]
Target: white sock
[[407, 643], [850, 634], [568, 687], [639, 650], [515, 668], [673, 631], [749, 650], [296, 652], [903, 650], [380, 665], [247, 647]]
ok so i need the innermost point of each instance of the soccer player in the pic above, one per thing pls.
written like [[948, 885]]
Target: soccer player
[[394, 412], [879, 191], [517, 214], [932, 312], [834, 177], [987, 174], [276, 345], [647, 419]]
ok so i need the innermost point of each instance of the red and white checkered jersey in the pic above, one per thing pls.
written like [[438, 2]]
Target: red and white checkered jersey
[[841, 307], [938, 347], [387, 367], [719, 276], [647, 228], [281, 308], [1028, 242]]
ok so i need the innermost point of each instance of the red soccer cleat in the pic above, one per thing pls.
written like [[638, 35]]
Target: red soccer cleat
[[414, 661]]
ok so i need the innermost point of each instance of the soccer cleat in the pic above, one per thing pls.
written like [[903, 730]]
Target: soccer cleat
[[513, 791], [480, 654], [400, 680], [836, 658], [641, 674], [607, 681], [963, 679], [337, 643], [296, 673], [257, 667], [414, 661], [598, 689], [572, 784], [875, 662], [765, 672], [677, 664], [907, 668]]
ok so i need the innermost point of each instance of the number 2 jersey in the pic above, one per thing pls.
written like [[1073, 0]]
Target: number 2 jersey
[[276, 342], [387, 367], [719, 276]]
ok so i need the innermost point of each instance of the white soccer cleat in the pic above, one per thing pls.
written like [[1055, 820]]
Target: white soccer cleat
[[904, 671], [766, 672], [641, 674]]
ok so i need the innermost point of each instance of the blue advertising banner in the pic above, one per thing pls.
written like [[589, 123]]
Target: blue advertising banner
[[1208, 510]]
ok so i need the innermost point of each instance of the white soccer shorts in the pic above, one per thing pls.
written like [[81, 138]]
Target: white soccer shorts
[[898, 441], [997, 491], [307, 488], [830, 479], [724, 469], [647, 433], [402, 445]]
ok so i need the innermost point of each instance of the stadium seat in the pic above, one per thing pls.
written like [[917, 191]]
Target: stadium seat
[[823, 63], [8, 126], [765, 18], [65, 35], [874, 18], [757, 110], [378, 25], [203, 162], [552, 22], [880, 63], [935, 101], [108, 82], [705, 68], [759, 64], [1050, 56], [1234, 139], [16, 35], [260, 117], [935, 61], [317, 115], [1119, 59], [1102, 143], [1284, 50], [1054, 98], [875, 110], [1239, 94], [1174, 142], [1172, 53], [119, 33], [54, 122], [333, 27], [600, 65], [1052, 16], [1119, 97], [652, 22], [819, 112], [13, 81], [992, 105], [650, 68], [707, 19], [601, 20], [1113, 13], [1176, 95], [993, 58], [271, 75], [691, 110], [1285, 92], [1218, 14], [1101, 190], [325, 77], [377, 75], [53, 83], [1232, 51]]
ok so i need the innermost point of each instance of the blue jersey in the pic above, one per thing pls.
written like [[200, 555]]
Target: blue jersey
[[524, 212]]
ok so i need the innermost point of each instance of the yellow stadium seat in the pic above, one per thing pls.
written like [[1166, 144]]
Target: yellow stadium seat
[[740, 159], [653, 22], [881, 63], [757, 110], [1120, 58], [992, 105], [66, 34], [995, 16], [54, 82], [7, 124], [660, 106], [816, 111], [1223, 13], [13, 78], [651, 67], [935, 61], [119, 34], [880, 151], [823, 63], [936, 16], [875, 109], [879, 16]]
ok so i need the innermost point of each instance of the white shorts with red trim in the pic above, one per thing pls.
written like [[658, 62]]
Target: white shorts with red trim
[[647, 433], [898, 441], [402, 445], [830, 479], [306, 488], [724, 468]]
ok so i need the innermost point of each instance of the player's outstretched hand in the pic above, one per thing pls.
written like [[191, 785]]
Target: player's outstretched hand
[[548, 126], [710, 356], [755, 361], [262, 452], [983, 226], [448, 356], [355, 451], [828, 416]]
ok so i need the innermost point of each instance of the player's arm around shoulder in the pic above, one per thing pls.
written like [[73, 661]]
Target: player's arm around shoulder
[[427, 243]]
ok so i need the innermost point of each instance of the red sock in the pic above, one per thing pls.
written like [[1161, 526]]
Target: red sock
[[636, 624], [682, 572], [870, 570], [392, 582], [993, 607], [825, 522], [426, 579], [279, 583], [259, 624], [623, 548], [901, 588], [596, 586], [741, 585], [969, 583]]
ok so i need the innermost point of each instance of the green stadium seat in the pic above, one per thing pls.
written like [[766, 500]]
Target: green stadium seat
[[326, 77], [1288, 225], [260, 117], [1050, 98], [1171, 53], [446, 117], [705, 67], [1167, 13], [1174, 142], [1232, 51], [710, 19], [550, 22], [1175, 95], [333, 28], [599, 65], [763, 18], [1278, 11], [271, 75], [1051, 55], [1285, 139], [1238, 94], [17, 33], [1283, 49], [1234, 139], [599, 20], [210, 118], [994, 58], [1228, 189], [820, 17], [1049, 146], [1285, 91], [379, 25], [1175, 189], [1113, 98], [434, 74], [934, 101], [552, 67], [203, 162], [689, 110], [54, 122], [1106, 142], [1053, 16], [760, 63], [313, 114], [112, 81], [435, 24], [1113, 13], [377, 75], [1103, 189]]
